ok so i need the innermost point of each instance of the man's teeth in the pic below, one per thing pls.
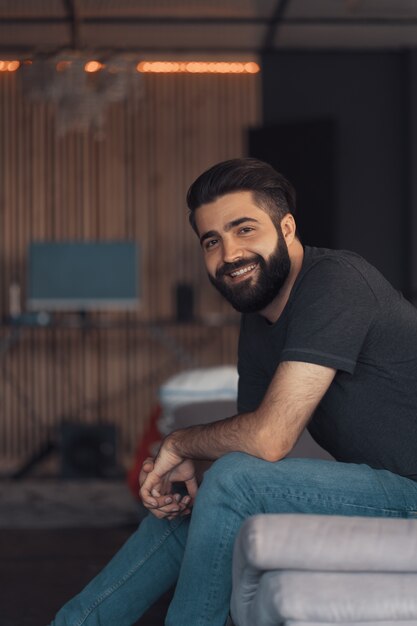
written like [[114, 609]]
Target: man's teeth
[[243, 270]]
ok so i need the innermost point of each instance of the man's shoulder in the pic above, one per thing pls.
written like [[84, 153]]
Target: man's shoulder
[[340, 265], [323, 256], [325, 274]]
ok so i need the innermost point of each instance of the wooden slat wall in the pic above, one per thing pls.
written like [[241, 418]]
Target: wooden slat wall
[[129, 184]]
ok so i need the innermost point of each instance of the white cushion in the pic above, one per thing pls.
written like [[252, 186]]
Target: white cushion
[[314, 568]]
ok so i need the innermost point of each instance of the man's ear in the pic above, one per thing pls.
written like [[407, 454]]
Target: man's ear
[[288, 227]]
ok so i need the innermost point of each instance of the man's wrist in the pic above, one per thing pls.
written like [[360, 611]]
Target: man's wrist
[[172, 442], [180, 442]]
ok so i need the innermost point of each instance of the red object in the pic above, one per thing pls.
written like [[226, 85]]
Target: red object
[[147, 443]]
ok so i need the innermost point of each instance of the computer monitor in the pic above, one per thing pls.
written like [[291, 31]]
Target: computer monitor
[[83, 276]]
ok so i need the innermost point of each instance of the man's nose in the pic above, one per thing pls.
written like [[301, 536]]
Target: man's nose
[[232, 250]]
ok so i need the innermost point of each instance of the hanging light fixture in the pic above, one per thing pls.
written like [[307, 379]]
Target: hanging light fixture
[[80, 86]]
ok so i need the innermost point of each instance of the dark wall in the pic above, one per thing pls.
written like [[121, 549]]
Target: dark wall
[[367, 96], [303, 152], [412, 169]]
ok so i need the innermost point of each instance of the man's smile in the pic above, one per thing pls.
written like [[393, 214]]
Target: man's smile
[[242, 272]]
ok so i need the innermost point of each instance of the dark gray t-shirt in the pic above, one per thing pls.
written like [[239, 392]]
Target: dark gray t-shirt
[[342, 313]]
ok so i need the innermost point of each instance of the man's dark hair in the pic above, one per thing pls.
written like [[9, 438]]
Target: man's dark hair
[[272, 192]]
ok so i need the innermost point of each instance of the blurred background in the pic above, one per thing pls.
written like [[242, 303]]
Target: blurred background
[[109, 109]]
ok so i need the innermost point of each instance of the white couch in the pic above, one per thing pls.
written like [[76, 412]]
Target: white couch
[[311, 570]]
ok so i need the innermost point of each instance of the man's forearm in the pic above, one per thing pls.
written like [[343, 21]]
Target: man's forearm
[[240, 433], [269, 432]]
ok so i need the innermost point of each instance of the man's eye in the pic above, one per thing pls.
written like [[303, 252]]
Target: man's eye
[[246, 229], [210, 243]]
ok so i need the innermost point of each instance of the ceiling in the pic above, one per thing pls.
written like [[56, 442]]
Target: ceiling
[[158, 28]]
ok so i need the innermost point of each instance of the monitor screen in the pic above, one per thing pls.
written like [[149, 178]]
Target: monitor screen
[[81, 276]]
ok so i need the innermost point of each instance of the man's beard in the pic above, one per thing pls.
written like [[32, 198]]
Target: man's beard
[[255, 293]]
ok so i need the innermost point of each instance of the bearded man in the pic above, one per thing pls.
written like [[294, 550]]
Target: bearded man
[[326, 343]]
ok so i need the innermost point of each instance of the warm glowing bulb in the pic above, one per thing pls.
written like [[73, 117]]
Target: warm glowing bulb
[[93, 66], [252, 68], [3, 66], [12, 66]]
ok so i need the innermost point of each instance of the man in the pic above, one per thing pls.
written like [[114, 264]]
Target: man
[[326, 343]]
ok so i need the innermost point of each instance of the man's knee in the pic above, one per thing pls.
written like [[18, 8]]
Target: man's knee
[[239, 470], [230, 471]]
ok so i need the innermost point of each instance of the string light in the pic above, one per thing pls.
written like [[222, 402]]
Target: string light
[[9, 66], [82, 88], [197, 67], [159, 67], [93, 66], [13, 66]]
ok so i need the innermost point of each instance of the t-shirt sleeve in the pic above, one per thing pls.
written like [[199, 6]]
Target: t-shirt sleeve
[[330, 316]]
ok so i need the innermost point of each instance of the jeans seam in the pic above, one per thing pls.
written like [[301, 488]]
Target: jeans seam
[[215, 584], [330, 501], [110, 590]]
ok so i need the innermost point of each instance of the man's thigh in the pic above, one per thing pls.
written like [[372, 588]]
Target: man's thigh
[[311, 486]]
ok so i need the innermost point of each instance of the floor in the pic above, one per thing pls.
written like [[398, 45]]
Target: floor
[[40, 569], [54, 537]]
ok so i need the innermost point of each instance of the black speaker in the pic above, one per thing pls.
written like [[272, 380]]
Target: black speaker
[[88, 451], [184, 298]]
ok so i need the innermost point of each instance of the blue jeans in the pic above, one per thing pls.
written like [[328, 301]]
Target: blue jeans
[[197, 551]]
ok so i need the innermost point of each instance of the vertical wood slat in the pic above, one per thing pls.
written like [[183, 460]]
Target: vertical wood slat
[[130, 184]]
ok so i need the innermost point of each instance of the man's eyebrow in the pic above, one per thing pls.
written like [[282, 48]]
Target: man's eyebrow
[[238, 221], [228, 226], [208, 234]]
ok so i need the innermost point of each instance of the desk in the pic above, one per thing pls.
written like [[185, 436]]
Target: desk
[[97, 369]]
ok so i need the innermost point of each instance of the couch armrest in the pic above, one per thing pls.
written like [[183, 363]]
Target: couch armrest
[[317, 543], [327, 543]]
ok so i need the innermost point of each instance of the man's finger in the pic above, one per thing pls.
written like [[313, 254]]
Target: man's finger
[[147, 467], [147, 498], [166, 505], [152, 481], [168, 500], [151, 494], [192, 486]]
